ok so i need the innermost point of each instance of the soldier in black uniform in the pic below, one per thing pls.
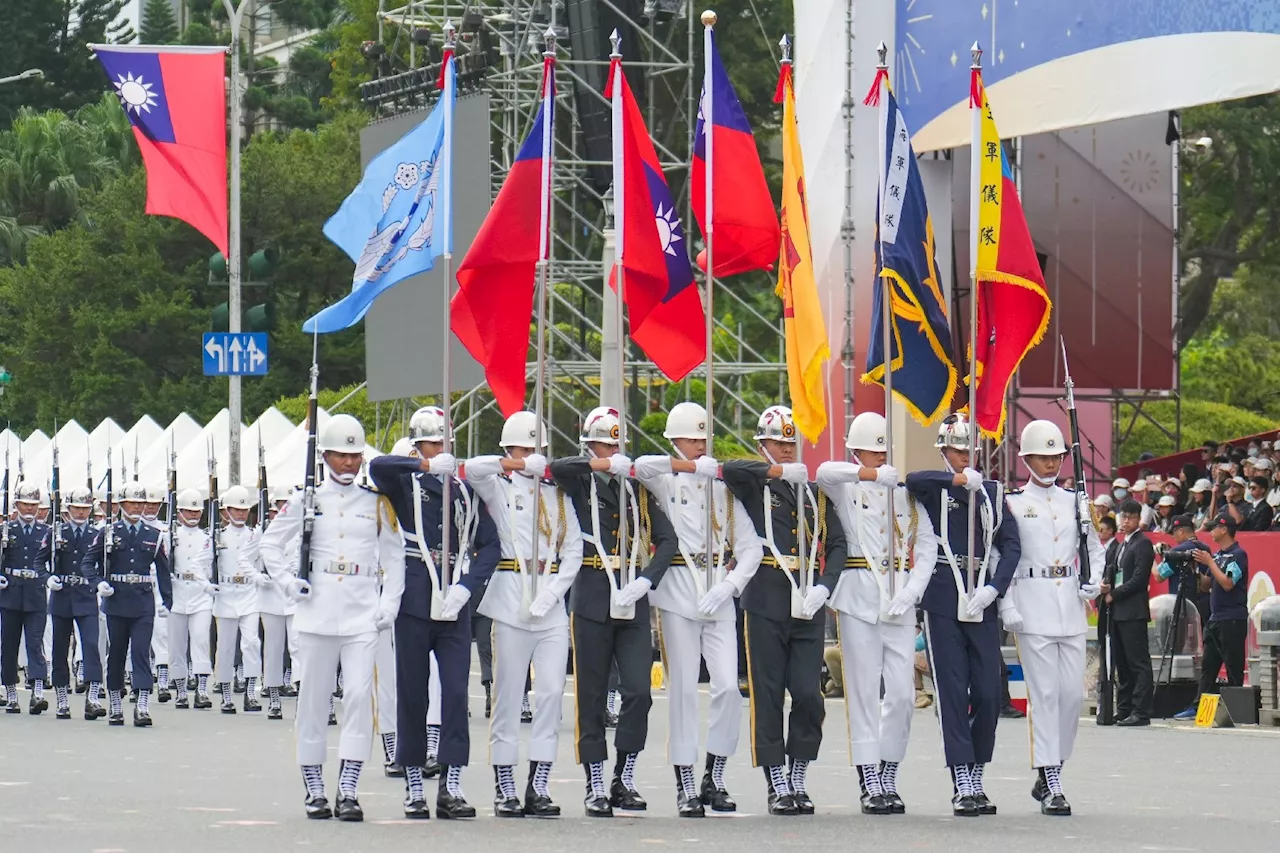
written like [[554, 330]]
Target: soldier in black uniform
[[609, 608], [73, 604], [130, 606], [783, 606], [23, 605]]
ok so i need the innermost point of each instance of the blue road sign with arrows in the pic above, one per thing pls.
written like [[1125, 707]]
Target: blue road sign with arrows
[[238, 354]]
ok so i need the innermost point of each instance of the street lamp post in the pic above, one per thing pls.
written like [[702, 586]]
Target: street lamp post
[[29, 74], [235, 12]]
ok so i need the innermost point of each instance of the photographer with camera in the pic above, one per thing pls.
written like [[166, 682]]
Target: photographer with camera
[[1179, 564], [1125, 590]]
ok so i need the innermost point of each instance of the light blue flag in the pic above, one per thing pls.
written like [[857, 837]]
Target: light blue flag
[[398, 220]]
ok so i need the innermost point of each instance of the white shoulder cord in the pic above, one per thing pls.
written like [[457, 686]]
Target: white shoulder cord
[[785, 563], [699, 581], [986, 513], [633, 557]]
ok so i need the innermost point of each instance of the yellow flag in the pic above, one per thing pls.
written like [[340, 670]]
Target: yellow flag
[[806, 333]]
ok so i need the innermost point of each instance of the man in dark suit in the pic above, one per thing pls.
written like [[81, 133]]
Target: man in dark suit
[[1125, 591]]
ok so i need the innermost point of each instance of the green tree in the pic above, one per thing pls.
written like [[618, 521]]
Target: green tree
[[1201, 421], [158, 24]]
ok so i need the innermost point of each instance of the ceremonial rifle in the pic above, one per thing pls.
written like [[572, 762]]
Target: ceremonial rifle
[[110, 519], [55, 511], [173, 498], [213, 508], [4, 522], [309, 484], [264, 497]]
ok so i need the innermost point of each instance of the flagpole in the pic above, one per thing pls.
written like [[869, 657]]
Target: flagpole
[[975, 187], [624, 553], [708, 129], [235, 11], [446, 402], [886, 318]]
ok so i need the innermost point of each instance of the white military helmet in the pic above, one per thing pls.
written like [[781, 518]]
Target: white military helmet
[[133, 492], [189, 499], [776, 424], [1042, 438], [427, 424], [157, 494], [342, 434], [238, 497], [867, 432], [686, 420], [404, 447], [27, 493], [80, 496], [521, 430], [44, 500], [601, 425], [954, 432]]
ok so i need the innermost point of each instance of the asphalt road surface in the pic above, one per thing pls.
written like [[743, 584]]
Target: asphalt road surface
[[201, 781]]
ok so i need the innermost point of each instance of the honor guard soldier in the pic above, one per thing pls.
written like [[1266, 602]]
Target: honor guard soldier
[[236, 604], [355, 541], [124, 553], [525, 600], [961, 633], [193, 592], [876, 609], [73, 603], [609, 609], [433, 630], [784, 607], [278, 633], [696, 616], [1045, 607], [156, 496], [23, 602]]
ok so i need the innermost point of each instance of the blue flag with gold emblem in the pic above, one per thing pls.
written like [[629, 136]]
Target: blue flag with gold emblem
[[921, 356]]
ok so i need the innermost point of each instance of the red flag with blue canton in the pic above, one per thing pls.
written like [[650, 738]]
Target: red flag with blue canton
[[493, 307], [175, 98], [665, 309], [744, 218]]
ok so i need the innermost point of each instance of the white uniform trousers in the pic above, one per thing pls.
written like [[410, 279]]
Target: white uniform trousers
[[276, 630], [319, 656], [869, 653], [513, 650], [1053, 669], [384, 682], [193, 628], [48, 643], [160, 637], [685, 642], [250, 648], [433, 693]]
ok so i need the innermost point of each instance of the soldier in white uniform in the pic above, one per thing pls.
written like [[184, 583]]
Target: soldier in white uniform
[[240, 575], [193, 591], [529, 624], [696, 618], [877, 612], [1045, 607], [160, 636], [341, 608], [277, 611], [384, 699]]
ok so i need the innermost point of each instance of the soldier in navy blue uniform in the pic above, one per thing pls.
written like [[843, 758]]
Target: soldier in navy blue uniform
[[73, 604], [130, 603], [434, 616], [961, 632], [23, 604]]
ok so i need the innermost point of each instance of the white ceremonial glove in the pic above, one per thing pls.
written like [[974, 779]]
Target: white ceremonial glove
[[262, 579], [887, 476], [796, 473], [457, 598], [619, 465], [445, 464], [982, 599], [706, 467], [972, 480], [1011, 619], [298, 589], [716, 598], [634, 591], [383, 619], [543, 603], [535, 465], [4, 582], [814, 599], [54, 583], [210, 588], [105, 589], [1089, 591], [905, 600]]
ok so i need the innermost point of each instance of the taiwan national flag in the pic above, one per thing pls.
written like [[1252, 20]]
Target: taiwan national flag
[[666, 314], [175, 98]]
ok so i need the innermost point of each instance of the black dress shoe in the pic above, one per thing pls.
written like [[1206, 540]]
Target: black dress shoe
[[202, 703], [183, 702], [392, 770], [133, 697], [1039, 790], [228, 705], [687, 806], [610, 720], [275, 713], [596, 806], [804, 804], [1055, 805], [318, 808], [895, 803], [348, 809], [63, 714], [289, 690], [964, 806], [238, 687], [82, 686], [116, 719], [13, 707], [141, 719], [164, 695], [985, 806], [717, 798], [874, 804], [417, 810], [622, 797], [431, 769], [507, 807], [333, 718], [264, 691], [217, 687], [1133, 720], [251, 704], [526, 715], [37, 706], [449, 807], [337, 694], [192, 684], [1009, 712], [92, 711], [539, 805], [784, 804]]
